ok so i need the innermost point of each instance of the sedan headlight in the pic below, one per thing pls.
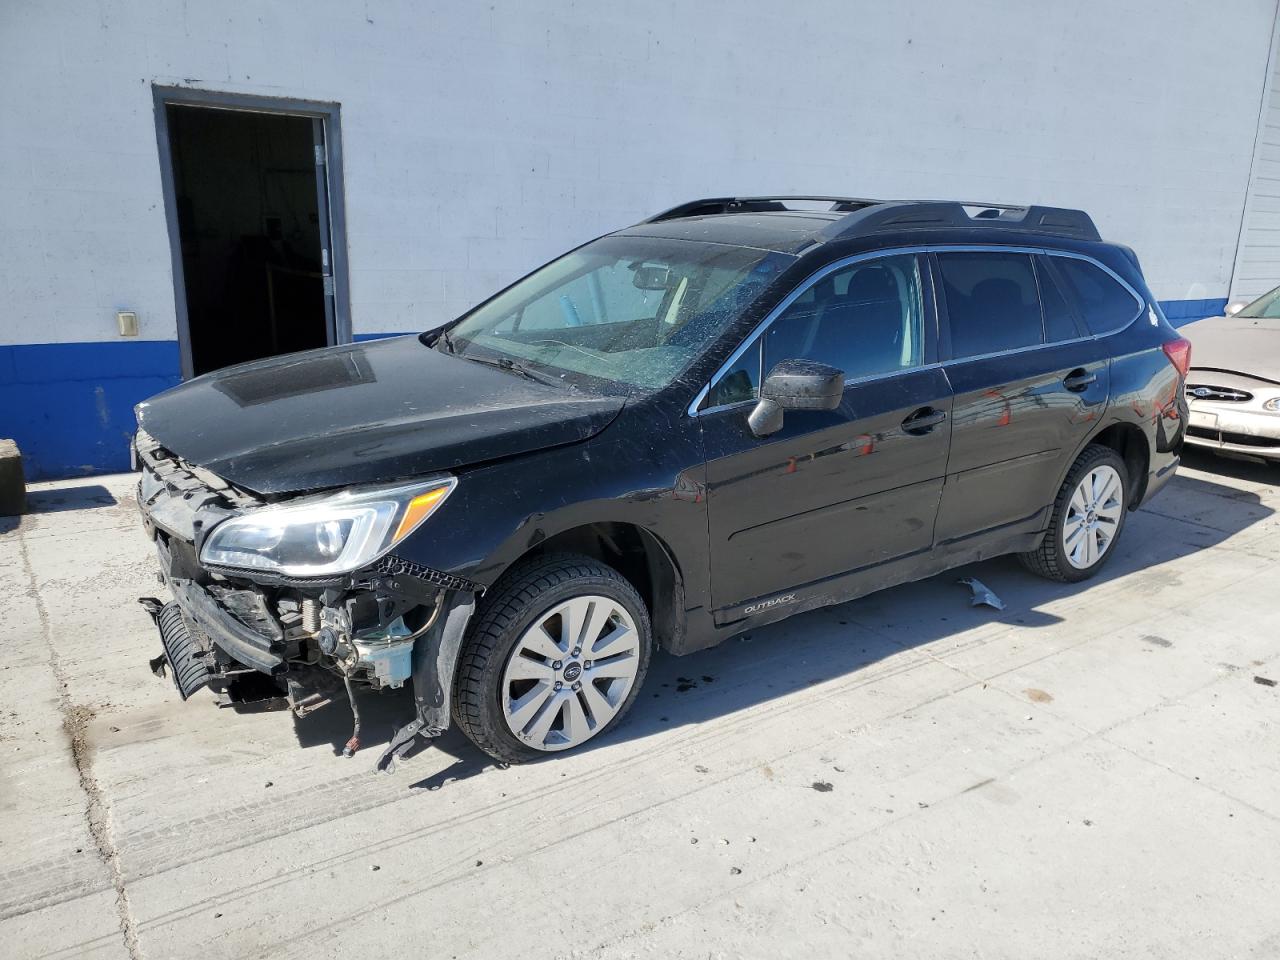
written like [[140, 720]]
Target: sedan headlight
[[321, 536]]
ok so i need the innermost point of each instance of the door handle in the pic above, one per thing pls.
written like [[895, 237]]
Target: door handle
[[923, 420], [1077, 380]]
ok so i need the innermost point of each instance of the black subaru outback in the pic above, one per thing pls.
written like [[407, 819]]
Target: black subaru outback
[[737, 410]]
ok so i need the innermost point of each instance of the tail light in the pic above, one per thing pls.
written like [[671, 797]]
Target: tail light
[[1179, 353]]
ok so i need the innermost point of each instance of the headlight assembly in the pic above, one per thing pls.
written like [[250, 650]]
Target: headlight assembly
[[326, 535]]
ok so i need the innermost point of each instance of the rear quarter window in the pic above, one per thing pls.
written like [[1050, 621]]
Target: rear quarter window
[[1103, 302], [1059, 319]]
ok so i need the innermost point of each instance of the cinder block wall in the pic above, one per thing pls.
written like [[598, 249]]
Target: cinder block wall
[[481, 139]]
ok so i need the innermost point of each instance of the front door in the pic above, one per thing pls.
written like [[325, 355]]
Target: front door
[[1029, 384], [832, 491]]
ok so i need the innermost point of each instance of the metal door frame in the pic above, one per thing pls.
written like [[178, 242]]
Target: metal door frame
[[329, 188]]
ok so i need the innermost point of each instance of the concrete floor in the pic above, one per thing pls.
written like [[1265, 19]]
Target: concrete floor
[[1094, 772]]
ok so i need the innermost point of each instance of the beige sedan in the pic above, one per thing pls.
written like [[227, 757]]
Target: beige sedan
[[1233, 387]]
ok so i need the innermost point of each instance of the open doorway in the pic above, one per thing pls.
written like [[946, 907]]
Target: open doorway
[[249, 196]]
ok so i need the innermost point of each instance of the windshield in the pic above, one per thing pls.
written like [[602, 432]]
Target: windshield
[[635, 311], [1267, 305]]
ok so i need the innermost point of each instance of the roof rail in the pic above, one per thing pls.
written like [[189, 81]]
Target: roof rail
[[712, 205], [942, 214], [882, 216]]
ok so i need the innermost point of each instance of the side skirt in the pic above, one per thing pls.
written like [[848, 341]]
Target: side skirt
[[1019, 538]]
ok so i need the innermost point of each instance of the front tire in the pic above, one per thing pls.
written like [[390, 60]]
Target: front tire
[[556, 658], [1088, 516]]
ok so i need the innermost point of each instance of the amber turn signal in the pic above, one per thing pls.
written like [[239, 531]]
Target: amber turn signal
[[419, 509]]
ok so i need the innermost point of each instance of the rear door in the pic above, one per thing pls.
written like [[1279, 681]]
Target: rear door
[[1029, 383], [832, 491]]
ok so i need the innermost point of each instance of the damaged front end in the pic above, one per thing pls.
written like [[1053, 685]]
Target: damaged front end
[[303, 598]]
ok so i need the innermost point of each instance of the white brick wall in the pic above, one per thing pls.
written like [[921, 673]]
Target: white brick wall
[[482, 138]]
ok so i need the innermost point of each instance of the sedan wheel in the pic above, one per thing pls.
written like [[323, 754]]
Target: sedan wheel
[[570, 673], [1093, 516]]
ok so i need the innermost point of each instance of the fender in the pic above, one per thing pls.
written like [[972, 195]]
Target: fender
[[498, 512]]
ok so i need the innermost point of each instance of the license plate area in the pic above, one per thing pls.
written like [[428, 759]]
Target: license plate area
[[1207, 421]]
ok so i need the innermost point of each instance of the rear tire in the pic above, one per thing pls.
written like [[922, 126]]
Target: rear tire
[[556, 658], [1088, 517]]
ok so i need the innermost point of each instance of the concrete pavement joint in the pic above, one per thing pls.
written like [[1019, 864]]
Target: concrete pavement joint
[[75, 719]]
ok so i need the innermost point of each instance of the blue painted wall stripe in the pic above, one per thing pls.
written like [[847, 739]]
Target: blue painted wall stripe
[[69, 406], [1180, 312]]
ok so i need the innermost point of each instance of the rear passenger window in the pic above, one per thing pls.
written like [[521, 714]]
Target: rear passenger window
[[1105, 305], [992, 302], [1059, 321]]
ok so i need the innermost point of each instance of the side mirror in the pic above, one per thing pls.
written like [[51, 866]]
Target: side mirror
[[1234, 308], [795, 385]]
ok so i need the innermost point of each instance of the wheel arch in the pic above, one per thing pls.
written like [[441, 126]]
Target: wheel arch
[[643, 559], [1133, 446], [1127, 440]]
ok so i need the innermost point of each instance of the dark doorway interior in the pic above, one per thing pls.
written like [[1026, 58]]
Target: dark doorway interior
[[248, 205]]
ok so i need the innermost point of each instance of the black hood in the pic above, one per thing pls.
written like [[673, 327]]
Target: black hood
[[363, 413]]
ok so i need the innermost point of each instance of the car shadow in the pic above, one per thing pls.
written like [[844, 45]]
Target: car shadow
[[1254, 471], [823, 645], [381, 714], [89, 497], [1191, 514]]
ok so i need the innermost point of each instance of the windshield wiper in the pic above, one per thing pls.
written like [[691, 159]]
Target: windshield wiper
[[443, 337], [519, 369]]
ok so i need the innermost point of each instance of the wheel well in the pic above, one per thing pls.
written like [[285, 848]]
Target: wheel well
[[640, 557], [1130, 442]]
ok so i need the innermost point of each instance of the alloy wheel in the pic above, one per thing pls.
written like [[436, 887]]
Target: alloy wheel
[[570, 673], [1092, 517]]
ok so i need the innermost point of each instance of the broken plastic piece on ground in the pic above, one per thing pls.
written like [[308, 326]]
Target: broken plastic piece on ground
[[1265, 681], [982, 593], [401, 743]]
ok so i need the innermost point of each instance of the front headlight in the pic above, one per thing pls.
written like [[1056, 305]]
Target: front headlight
[[322, 536]]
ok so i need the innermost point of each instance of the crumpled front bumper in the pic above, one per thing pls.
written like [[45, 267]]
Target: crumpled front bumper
[[252, 636]]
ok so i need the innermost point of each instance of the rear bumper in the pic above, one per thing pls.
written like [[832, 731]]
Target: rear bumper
[[1158, 478]]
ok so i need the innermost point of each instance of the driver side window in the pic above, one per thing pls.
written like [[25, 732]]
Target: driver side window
[[864, 319]]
